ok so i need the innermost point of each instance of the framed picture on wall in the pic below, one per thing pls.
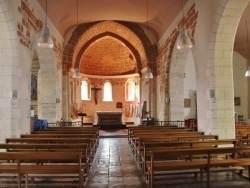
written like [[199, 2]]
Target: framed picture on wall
[[186, 103], [236, 101]]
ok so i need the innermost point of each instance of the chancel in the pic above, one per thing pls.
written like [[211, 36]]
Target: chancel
[[113, 61]]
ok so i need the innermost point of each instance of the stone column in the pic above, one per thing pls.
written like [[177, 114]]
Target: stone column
[[47, 84]]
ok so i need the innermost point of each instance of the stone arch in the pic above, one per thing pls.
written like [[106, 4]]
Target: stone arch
[[9, 75], [176, 84], [164, 60], [219, 71]]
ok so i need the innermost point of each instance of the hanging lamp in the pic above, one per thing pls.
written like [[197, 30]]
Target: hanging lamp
[[149, 73], [45, 40], [247, 74], [184, 41]]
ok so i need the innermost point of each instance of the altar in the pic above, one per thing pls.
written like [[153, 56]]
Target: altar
[[109, 119]]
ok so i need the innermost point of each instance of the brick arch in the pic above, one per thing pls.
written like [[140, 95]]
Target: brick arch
[[119, 38], [167, 51], [70, 46], [130, 33]]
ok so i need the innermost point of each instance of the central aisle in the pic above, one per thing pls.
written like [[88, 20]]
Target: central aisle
[[113, 166]]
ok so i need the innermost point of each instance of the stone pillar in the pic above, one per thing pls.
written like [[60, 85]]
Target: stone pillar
[[47, 84], [220, 92], [176, 84]]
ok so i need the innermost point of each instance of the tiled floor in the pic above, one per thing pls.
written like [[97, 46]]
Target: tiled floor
[[114, 167]]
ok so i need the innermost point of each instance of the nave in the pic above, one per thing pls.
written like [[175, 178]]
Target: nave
[[114, 167]]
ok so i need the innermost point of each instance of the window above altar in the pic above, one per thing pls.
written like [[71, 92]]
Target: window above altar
[[107, 91]]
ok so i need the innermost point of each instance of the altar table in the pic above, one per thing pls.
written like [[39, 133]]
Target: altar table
[[109, 119]]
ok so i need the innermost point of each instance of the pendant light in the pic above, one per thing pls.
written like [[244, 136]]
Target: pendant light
[[248, 63], [76, 73], [45, 40], [149, 73], [183, 42]]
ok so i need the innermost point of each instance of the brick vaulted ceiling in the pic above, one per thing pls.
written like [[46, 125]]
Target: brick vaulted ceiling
[[107, 56]]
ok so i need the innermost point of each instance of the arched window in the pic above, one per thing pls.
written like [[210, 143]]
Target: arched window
[[137, 90], [130, 90], [85, 90], [107, 91]]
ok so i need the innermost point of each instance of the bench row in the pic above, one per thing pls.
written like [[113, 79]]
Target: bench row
[[48, 150], [144, 143]]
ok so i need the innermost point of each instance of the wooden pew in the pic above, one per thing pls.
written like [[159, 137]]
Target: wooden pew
[[80, 135], [66, 132], [20, 147], [150, 146], [136, 145], [91, 149], [134, 136], [243, 136], [71, 128], [147, 129], [24, 164], [160, 160]]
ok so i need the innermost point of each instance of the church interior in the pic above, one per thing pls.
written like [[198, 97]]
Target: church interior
[[100, 80]]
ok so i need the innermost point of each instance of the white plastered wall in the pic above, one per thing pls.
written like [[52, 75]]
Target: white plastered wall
[[240, 84]]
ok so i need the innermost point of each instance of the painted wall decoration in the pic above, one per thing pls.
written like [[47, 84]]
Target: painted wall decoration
[[131, 111]]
